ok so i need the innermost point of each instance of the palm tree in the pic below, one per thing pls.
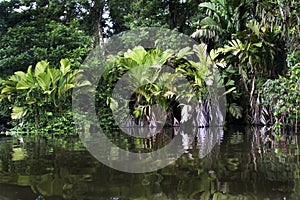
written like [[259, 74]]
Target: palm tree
[[138, 72], [252, 53], [223, 18]]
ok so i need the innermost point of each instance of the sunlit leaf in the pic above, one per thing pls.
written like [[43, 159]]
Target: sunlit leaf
[[18, 112], [40, 67], [44, 81], [65, 66]]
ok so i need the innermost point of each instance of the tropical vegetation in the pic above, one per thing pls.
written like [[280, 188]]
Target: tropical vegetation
[[40, 95], [254, 45]]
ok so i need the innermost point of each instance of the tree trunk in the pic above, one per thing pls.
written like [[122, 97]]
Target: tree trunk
[[97, 11], [172, 17], [99, 25]]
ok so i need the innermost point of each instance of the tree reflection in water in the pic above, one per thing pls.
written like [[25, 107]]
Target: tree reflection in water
[[243, 163]]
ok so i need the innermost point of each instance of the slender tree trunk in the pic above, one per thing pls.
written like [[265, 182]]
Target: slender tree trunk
[[99, 26], [298, 18], [97, 10], [172, 18]]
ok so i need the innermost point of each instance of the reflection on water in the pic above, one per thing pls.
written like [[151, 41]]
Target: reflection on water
[[233, 164]]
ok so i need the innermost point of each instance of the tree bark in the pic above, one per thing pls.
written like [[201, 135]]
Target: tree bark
[[97, 11], [99, 25], [172, 18]]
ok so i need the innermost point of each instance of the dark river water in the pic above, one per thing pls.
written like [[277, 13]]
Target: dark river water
[[244, 163]]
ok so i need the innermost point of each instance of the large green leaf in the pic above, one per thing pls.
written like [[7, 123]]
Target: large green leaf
[[165, 56], [65, 66], [18, 112], [204, 59], [27, 83], [13, 78], [64, 89], [137, 54], [204, 32], [235, 110], [29, 70], [210, 23], [8, 89], [44, 81], [20, 74], [54, 75], [209, 5], [184, 52], [127, 63], [40, 67]]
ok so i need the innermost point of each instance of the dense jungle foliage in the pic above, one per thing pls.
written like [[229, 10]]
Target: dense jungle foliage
[[253, 44]]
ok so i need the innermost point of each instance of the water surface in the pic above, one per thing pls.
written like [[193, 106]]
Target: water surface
[[248, 163]]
